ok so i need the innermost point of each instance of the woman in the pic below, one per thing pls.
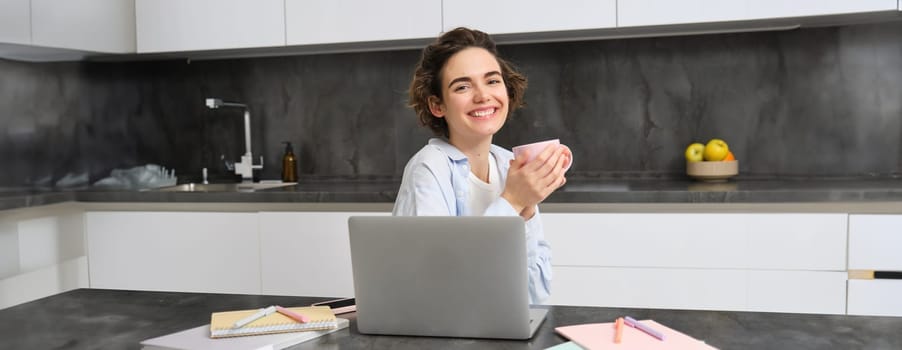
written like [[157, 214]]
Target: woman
[[464, 92]]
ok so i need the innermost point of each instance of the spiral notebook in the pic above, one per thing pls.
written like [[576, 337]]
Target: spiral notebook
[[321, 317]]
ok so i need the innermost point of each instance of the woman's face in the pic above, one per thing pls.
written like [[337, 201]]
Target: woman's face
[[474, 99]]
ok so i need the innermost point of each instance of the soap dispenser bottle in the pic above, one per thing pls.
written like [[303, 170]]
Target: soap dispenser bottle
[[289, 164]]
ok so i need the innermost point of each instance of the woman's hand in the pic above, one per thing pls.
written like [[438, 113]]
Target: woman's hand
[[528, 184]]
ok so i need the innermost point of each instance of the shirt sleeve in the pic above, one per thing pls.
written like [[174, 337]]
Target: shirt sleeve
[[421, 194]]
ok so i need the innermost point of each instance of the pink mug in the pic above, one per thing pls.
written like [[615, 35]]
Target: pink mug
[[537, 147]]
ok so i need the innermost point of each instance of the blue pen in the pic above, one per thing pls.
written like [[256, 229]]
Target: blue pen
[[638, 325]]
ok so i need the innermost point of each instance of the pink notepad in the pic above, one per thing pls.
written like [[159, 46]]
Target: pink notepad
[[601, 336]]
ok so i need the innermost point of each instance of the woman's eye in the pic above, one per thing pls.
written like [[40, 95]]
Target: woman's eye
[[494, 81], [460, 87]]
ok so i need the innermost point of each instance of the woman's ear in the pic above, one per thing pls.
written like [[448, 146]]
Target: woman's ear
[[436, 107]]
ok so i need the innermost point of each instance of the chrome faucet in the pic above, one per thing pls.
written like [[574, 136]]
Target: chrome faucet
[[246, 166]]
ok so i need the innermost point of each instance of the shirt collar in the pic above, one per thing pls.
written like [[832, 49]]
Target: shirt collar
[[449, 149], [457, 156]]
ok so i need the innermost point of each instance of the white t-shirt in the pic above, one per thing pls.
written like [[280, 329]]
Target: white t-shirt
[[482, 194]]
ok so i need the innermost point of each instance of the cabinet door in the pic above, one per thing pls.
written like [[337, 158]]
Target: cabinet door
[[798, 291], [875, 297], [91, 25], [512, 16], [789, 241], [647, 240], [9, 249], [875, 242], [41, 255], [699, 289], [760, 241], [664, 12], [341, 21], [174, 251], [50, 240], [187, 25], [306, 254], [819, 292], [15, 21]]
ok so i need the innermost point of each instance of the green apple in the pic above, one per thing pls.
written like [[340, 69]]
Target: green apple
[[694, 153], [716, 150]]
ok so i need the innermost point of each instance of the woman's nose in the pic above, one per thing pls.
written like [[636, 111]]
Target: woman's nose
[[480, 95]]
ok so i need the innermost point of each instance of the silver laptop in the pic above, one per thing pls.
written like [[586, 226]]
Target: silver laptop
[[442, 276]]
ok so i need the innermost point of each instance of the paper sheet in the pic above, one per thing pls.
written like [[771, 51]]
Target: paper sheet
[[594, 336]]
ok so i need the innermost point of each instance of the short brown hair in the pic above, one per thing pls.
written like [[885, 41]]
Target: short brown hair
[[427, 77]]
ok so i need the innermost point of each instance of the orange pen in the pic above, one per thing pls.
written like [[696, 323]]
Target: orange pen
[[618, 330]]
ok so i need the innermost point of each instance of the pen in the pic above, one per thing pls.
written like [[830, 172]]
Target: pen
[[256, 316], [636, 324], [618, 330], [294, 315]]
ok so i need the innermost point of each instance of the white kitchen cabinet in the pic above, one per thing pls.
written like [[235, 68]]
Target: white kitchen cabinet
[[15, 21], [346, 21], [700, 289], [47, 30], [106, 26], [796, 291], [307, 253], [189, 25], [216, 252], [875, 297], [699, 261], [42, 253], [712, 289], [512, 16], [875, 244], [666, 12]]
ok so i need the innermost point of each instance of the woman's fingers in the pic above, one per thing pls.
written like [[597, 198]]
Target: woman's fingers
[[530, 183], [553, 177], [541, 160]]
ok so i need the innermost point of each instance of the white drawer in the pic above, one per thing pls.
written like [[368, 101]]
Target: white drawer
[[703, 289], [875, 242], [819, 292], [875, 297], [757, 241], [700, 289]]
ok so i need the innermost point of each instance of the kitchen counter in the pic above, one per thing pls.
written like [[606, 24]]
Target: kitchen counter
[[118, 319], [577, 191]]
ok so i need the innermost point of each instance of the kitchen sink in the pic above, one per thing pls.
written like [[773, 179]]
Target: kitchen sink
[[229, 187]]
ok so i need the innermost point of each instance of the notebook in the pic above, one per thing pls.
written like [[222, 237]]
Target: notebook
[[565, 346], [198, 338], [601, 336], [221, 323], [442, 276]]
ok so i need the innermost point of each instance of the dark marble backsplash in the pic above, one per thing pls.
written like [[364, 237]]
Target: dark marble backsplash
[[819, 102]]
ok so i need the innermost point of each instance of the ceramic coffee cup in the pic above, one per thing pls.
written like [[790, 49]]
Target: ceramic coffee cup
[[537, 147]]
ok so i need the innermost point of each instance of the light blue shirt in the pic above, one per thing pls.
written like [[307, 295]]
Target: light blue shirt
[[435, 183]]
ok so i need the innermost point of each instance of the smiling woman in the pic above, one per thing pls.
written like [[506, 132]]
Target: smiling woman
[[464, 93]]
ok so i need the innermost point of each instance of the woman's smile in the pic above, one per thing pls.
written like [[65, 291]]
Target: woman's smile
[[483, 113]]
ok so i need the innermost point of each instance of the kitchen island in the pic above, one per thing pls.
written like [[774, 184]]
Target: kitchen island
[[740, 245], [109, 319]]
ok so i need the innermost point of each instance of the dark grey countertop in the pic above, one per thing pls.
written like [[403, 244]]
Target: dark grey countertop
[[109, 319], [585, 190]]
